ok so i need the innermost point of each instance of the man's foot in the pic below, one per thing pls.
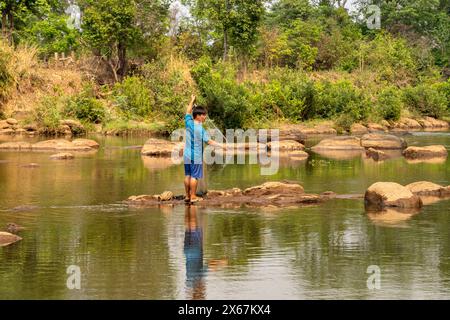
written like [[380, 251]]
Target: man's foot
[[187, 199], [196, 199]]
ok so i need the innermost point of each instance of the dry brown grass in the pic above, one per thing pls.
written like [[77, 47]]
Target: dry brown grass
[[31, 80]]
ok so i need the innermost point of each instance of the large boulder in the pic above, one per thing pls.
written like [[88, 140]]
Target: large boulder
[[407, 124], [160, 147], [382, 141], [391, 194], [20, 145], [75, 126], [7, 238], [436, 151], [339, 143], [425, 188], [286, 145]]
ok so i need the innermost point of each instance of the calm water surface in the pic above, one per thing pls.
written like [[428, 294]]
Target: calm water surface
[[73, 215]]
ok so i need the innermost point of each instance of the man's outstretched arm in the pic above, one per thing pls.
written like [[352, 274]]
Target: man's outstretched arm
[[191, 105]]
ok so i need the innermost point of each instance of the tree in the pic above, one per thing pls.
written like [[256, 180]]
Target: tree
[[235, 22], [109, 29], [9, 9]]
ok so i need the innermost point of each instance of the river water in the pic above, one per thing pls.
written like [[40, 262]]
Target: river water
[[73, 215]]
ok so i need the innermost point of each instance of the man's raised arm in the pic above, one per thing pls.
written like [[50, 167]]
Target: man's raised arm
[[191, 105]]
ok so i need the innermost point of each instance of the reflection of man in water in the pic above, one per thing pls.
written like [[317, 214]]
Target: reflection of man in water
[[193, 251]]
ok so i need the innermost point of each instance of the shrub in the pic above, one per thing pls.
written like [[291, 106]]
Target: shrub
[[333, 99], [389, 104], [48, 114], [133, 97], [426, 100], [86, 107]]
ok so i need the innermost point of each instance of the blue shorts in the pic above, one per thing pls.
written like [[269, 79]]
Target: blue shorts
[[194, 170]]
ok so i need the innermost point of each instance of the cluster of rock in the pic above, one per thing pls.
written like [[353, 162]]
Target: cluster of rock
[[275, 194], [9, 237], [404, 124], [376, 146], [11, 126], [52, 145], [390, 194]]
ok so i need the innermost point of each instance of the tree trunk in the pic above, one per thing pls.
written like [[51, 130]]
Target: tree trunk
[[4, 25], [11, 28], [225, 44], [122, 56]]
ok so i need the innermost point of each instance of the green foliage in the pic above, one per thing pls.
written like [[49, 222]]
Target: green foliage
[[51, 35], [426, 100], [342, 97], [86, 107], [133, 97], [48, 113], [389, 104]]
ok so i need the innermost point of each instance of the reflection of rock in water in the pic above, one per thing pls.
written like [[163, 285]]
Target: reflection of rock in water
[[391, 217], [157, 163], [440, 160]]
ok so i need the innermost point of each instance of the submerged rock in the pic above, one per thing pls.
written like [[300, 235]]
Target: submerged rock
[[437, 151], [7, 239], [62, 156], [382, 141], [391, 194], [66, 145], [391, 217], [277, 194], [20, 145], [13, 228]]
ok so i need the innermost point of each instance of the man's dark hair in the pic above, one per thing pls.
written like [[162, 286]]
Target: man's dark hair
[[198, 110]]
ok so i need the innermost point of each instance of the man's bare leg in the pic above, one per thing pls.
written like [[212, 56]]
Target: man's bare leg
[[187, 186], [193, 188]]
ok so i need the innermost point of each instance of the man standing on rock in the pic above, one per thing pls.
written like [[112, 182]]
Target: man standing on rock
[[196, 136]]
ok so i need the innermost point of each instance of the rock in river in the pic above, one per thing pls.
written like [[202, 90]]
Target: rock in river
[[436, 151], [382, 141], [7, 238], [391, 194]]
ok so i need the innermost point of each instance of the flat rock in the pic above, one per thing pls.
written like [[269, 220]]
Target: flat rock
[[7, 131], [286, 145], [7, 239], [391, 194], [437, 151], [160, 147], [66, 145], [382, 141], [4, 125], [339, 143], [407, 124], [12, 121], [20, 145], [425, 188]]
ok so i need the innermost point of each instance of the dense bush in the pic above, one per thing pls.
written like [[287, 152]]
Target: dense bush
[[342, 97], [48, 113], [133, 97], [426, 100], [86, 107], [389, 104]]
